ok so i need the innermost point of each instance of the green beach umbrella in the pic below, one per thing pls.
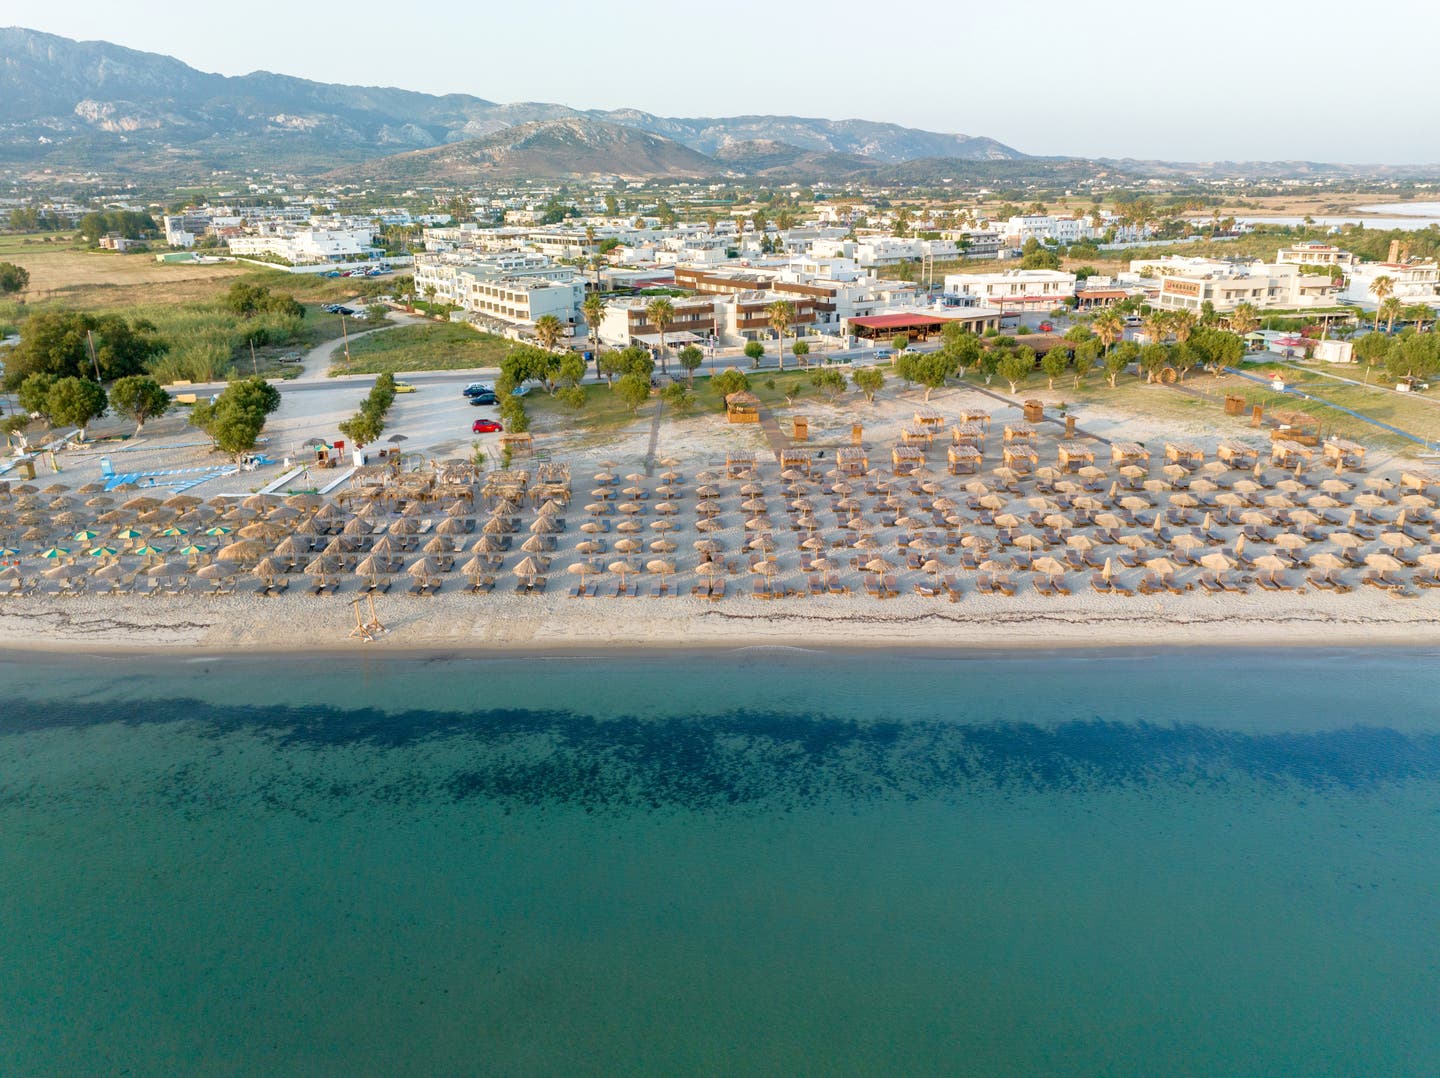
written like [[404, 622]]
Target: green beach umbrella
[[55, 552], [146, 550], [8, 552], [85, 536], [193, 549], [103, 552], [217, 530], [173, 532], [129, 533]]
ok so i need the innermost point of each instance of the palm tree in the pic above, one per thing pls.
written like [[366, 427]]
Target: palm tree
[[547, 331], [1244, 318], [1156, 325], [711, 220], [594, 311], [1390, 309], [660, 312], [1382, 286], [781, 313], [1418, 313], [1182, 323], [1108, 326]]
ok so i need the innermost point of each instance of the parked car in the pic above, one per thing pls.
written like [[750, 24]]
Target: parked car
[[520, 391], [485, 426], [404, 387], [484, 398], [474, 389], [1047, 327], [1134, 320]]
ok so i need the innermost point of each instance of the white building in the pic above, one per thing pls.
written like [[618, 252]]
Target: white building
[[1189, 283], [1018, 289], [513, 288], [1410, 282], [1314, 254], [308, 246]]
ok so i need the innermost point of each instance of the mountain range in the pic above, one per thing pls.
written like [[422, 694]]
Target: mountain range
[[93, 105]]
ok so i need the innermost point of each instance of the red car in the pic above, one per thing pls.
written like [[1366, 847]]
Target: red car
[[485, 426]]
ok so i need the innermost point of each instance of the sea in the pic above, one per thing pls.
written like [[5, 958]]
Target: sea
[[761, 861]]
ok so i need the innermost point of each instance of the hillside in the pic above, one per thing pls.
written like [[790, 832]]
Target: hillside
[[95, 105], [543, 150]]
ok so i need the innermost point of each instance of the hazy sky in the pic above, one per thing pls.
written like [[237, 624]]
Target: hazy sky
[[1115, 78]]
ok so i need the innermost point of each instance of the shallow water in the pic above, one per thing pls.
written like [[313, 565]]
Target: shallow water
[[772, 860]]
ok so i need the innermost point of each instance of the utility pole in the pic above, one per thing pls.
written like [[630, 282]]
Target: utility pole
[[254, 366], [345, 334]]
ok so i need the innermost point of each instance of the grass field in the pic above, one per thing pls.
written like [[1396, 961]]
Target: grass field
[[441, 346]]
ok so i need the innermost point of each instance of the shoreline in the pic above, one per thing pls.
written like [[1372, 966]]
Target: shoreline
[[455, 626]]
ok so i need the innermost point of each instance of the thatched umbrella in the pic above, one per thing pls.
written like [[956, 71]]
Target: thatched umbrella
[[1162, 567], [267, 569], [423, 570], [1048, 566], [534, 545], [322, 568], [662, 546], [371, 569]]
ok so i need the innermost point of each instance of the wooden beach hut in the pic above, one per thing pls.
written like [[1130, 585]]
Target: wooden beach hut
[[917, 435], [520, 444], [962, 459], [907, 459], [1237, 454], [1185, 454], [739, 462], [926, 416], [1341, 453], [798, 459], [1021, 457], [974, 415], [968, 434], [1288, 454], [1129, 453], [1072, 456], [1019, 432], [852, 460], [1299, 427], [742, 407]]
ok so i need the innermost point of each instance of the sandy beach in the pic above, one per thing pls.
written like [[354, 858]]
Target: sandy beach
[[501, 622]]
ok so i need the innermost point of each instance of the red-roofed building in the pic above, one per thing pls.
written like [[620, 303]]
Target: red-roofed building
[[920, 325]]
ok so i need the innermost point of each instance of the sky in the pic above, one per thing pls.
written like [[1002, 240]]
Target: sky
[[1219, 80]]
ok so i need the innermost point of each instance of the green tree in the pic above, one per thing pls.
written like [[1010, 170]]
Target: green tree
[[571, 370], [690, 358], [829, 381], [1217, 348], [900, 342], [1244, 319], [34, 395], [76, 402], [58, 343], [1087, 355], [868, 380], [1184, 357], [679, 397], [1108, 327], [1418, 314], [362, 428], [1371, 348], [1390, 310], [660, 312], [931, 369], [633, 390], [377, 314], [1015, 367], [729, 381], [637, 360], [139, 398], [780, 314], [573, 397], [1154, 358], [1053, 363], [800, 349], [593, 308], [1116, 361], [611, 365], [1035, 255], [13, 278], [548, 330], [1381, 288], [238, 415], [754, 350]]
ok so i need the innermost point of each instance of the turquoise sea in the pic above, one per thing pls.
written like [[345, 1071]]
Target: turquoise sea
[[770, 861]]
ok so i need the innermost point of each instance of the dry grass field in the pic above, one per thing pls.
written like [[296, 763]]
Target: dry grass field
[[89, 279]]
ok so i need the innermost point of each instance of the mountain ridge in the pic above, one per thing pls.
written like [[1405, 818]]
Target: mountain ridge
[[96, 104]]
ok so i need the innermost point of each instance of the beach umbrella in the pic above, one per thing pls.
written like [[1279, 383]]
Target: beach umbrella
[[1161, 567], [55, 552], [627, 546], [1271, 564], [1049, 566], [660, 567], [1325, 560], [1082, 543], [371, 568], [103, 552], [1108, 520], [622, 568], [322, 568], [424, 569], [1290, 541], [85, 536], [1345, 540], [1217, 562], [629, 525], [879, 565], [1396, 540], [1029, 542], [437, 545]]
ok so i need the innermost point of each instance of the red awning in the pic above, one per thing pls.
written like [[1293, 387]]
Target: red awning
[[907, 321]]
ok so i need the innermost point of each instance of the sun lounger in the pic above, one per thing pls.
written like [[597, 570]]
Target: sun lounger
[[952, 587], [872, 586], [1151, 585], [816, 585], [834, 587]]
